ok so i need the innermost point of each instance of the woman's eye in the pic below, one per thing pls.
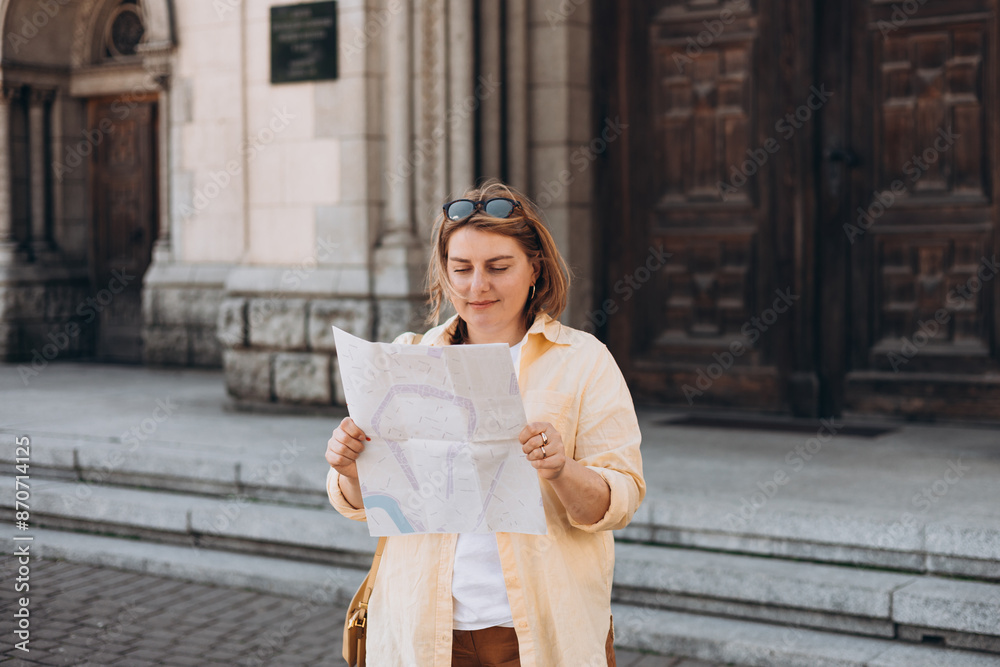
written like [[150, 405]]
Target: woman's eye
[[459, 270], [498, 269]]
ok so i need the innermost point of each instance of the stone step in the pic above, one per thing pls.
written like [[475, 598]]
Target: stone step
[[754, 644], [236, 523], [920, 608], [723, 640], [829, 532], [295, 472], [837, 598]]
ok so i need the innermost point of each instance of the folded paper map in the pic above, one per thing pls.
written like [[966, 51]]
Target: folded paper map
[[443, 421]]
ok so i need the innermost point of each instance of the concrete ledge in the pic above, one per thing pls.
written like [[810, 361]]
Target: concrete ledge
[[171, 516], [808, 586], [197, 470], [306, 581], [965, 606], [762, 645], [825, 533], [103, 504], [961, 537]]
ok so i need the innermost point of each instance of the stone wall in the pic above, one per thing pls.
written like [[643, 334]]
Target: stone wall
[[280, 348], [180, 307], [43, 318]]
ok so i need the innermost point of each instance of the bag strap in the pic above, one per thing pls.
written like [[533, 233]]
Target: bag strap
[[370, 581]]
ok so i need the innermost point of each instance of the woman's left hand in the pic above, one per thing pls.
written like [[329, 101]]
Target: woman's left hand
[[550, 464]]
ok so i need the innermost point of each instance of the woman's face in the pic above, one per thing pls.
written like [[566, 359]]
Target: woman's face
[[491, 275]]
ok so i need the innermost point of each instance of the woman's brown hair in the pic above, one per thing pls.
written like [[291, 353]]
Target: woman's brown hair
[[524, 226]]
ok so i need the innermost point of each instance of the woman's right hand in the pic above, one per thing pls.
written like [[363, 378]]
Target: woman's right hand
[[347, 442]]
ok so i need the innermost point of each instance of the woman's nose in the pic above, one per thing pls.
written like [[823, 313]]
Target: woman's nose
[[479, 281]]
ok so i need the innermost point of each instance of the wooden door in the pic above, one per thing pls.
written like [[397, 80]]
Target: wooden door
[[838, 154], [124, 197], [920, 228], [712, 322]]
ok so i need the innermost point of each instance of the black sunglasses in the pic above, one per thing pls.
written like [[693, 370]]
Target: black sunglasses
[[498, 207]]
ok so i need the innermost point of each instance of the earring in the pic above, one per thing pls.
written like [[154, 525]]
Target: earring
[[531, 294]]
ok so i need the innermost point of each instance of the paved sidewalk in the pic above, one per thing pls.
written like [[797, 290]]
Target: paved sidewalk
[[96, 616]]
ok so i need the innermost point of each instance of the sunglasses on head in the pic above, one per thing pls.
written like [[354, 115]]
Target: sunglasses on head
[[498, 207]]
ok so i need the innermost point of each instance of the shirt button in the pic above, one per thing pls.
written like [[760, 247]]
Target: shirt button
[[444, 636], [523, 624]]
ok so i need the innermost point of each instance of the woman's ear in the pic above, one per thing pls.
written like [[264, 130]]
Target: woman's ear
[[536, 270]]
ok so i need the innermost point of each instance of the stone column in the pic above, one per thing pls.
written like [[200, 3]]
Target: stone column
[[162, 246], [461, 114], [430, 116], [399, 260], [38, 100], [8, 245], [399, 256], [515, 94], [491, 49], [399, 131]]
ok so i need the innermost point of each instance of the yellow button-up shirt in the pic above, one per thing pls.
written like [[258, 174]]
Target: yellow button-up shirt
[[558, 584]]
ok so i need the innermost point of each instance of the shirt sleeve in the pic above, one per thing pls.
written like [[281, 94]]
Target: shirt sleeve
[[607, 442], [337, 497], [339, 500]]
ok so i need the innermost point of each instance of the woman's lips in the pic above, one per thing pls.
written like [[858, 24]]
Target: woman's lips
[[479, 305]]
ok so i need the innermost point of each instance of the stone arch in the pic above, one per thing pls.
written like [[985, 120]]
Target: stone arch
[[157, 17], [78, 22]]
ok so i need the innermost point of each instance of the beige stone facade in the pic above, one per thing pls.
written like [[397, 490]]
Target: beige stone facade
[[278, 209]]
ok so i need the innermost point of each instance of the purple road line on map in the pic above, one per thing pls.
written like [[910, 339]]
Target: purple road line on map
[[424, 391]]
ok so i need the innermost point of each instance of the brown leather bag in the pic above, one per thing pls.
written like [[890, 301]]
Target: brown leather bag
[[356, 623]]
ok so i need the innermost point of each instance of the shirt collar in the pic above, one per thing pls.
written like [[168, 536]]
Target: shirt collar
[[544, 325]]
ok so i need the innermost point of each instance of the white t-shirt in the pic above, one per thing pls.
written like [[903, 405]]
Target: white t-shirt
[[478, 590]]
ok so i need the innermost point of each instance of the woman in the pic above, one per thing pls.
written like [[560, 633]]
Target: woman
[[508, 599]]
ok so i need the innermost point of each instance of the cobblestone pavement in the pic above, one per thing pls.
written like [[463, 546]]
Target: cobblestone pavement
[[84, 615]]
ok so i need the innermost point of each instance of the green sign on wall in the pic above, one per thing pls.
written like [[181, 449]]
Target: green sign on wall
[[304, 42]]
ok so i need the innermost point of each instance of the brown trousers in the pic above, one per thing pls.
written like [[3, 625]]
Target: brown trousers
[[497, 647]]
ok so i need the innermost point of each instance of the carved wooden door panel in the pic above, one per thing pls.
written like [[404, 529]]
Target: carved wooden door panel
[[704, 316], [123, 188], [922, 244]]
